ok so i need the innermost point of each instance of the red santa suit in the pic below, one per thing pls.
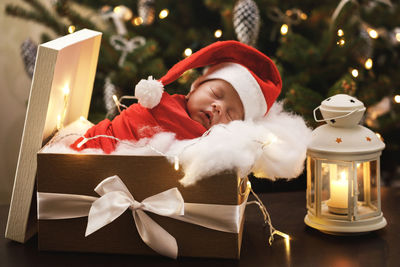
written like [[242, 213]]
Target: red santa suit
[[137, 122]]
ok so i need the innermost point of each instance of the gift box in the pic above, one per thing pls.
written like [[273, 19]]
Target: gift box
[[144, 176], [158, 215]]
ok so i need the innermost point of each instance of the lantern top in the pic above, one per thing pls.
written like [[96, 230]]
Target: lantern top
[[343, 135], [342, 102], [341, 111]]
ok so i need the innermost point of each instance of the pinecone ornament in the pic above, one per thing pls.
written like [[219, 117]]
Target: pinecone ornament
[[146, 11], [246, 21], [28, 54]]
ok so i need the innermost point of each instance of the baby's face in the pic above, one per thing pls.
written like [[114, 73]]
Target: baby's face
[[214, 102]]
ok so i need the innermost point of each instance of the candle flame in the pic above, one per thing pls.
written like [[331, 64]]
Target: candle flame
[[81, 143]]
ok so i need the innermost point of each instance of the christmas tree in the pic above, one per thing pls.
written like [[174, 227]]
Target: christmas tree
[[321, 48]]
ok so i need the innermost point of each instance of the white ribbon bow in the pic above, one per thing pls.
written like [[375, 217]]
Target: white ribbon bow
[[116, 199], [126, 46]]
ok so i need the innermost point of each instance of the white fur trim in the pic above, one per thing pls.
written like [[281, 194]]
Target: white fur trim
[[149, 92], [245, 84]]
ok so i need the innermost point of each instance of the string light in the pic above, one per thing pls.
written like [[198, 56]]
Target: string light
[[61, 117], [379, 136], [397, 99], [303, 16], [218, 33], [71, 29], [115, 98], [372, 33], [176, 163], [354, 72], [398, 37], [187, 52], [163, 13], [267, 219], [284, 29], [137, 21], [59, 124], [368, 64], [66, 90], [340, 33]]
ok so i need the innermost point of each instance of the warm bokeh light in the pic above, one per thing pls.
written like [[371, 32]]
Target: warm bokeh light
[[397, 99], [71, 29], [117, 9], [340, 33], [398, 37], [187, 52], [163, 14], [284, 29], [218, 33], [372, 33], [341, 42], [354, 72], [123, 12], [137, 21], [368, 64], [303, 16]]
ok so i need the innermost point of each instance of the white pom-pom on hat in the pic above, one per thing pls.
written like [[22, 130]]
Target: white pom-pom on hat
[[149, 92]]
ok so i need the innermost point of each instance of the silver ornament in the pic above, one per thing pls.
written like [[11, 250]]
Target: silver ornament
[[108, 91], [246, 21], [146, 11]]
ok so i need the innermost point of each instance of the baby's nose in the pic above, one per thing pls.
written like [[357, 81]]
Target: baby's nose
[[217, 107]]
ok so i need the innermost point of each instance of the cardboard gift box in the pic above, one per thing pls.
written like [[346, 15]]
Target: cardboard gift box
[[60, 94]]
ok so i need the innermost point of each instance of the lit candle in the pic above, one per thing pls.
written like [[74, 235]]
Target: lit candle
[[338, 191]]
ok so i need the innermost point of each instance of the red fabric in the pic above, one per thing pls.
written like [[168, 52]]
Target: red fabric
[[262, 67], [137, 122]]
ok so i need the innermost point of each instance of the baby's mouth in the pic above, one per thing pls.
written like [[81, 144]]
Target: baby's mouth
[[209, 116]]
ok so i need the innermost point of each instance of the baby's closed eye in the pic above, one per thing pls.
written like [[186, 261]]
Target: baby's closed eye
[[215, 92]]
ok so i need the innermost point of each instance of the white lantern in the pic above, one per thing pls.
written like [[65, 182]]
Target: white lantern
[[343, 171]]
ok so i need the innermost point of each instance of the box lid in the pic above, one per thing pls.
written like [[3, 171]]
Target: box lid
[[60, 93]]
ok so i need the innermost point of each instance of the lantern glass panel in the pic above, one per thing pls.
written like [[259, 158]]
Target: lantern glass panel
[[367, 189], [311, 174], [335, 189]]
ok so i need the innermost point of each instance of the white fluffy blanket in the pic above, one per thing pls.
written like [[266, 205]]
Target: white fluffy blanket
[[273, 147]]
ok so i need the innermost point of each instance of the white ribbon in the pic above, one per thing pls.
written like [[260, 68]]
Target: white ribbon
[[126, 46], [116, 199]]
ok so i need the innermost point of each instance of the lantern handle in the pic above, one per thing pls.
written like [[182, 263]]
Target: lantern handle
[[333, 118]]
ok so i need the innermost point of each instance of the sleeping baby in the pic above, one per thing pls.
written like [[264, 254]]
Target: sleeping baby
[[240, 83]]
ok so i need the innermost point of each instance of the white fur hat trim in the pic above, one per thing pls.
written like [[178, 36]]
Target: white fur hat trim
[[245, 84]]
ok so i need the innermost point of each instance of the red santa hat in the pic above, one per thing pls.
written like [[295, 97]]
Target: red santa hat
[[253, 75]]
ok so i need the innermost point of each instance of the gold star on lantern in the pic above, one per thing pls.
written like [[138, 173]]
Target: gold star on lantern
[[338, 140], [368, 139]]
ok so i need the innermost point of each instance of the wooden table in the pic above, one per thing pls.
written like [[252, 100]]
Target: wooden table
[[308, 247]]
